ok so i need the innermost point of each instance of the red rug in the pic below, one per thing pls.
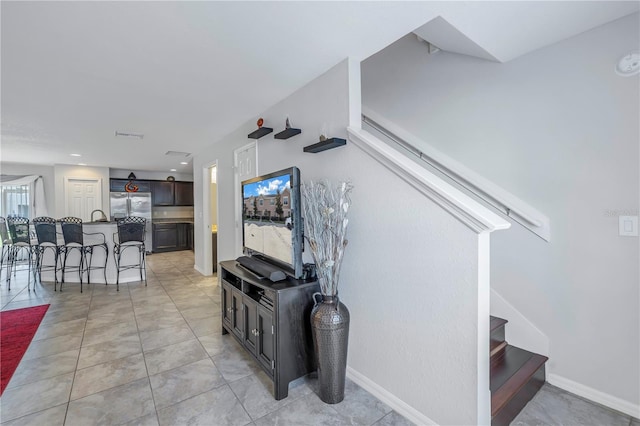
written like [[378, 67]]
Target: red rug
[[17, 328]]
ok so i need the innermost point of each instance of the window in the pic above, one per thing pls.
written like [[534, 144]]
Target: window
[[15, 200], [285, 201], [261, 201], [272, 201]]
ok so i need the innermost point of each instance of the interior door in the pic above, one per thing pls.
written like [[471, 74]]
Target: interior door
[[82, 197], [245, 167]]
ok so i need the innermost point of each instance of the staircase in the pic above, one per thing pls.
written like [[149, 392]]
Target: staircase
[[516, 376]]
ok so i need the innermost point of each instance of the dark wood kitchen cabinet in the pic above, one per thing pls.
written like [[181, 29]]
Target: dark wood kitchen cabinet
[[165, 193], [162, 193], [172, 236], [165, 237], [183, 194]]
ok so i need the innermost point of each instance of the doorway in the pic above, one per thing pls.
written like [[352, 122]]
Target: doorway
[[213, 215]]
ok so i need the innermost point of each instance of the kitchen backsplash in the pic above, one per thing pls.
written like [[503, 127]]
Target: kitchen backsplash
[[173, 212]]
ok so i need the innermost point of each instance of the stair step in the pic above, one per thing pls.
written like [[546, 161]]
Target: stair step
[[497, 322], [516, 376], [496, 348], [497, 335]]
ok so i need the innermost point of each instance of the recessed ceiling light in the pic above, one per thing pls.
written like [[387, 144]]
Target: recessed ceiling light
[[76, 155], [172, 170], [82, 164], [183, 162]]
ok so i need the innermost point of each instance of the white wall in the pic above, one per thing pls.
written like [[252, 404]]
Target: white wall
[[559, 129], [410, 271], [62, 171], [33, 169]]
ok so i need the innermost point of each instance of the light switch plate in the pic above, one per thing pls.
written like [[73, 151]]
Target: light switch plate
[[628, 226]]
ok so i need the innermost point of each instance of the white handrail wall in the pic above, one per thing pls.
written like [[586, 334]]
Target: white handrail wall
[[503, 201], [471, 213]]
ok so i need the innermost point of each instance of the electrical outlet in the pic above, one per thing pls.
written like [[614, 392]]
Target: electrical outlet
[[628, 226]]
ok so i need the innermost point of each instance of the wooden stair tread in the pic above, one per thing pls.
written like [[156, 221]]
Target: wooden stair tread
[[495, 347], [510, 371], [496, 322]]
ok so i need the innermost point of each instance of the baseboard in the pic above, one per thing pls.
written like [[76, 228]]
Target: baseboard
[[594, 395], [388, 398], [197, 268]]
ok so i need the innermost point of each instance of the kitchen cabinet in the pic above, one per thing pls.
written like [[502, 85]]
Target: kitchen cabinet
[[165, 193], [183, 193], [165, 237], [162, 193], [172, 236], [271, 321]]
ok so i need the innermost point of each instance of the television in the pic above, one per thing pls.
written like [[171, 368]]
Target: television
[[271, 221]]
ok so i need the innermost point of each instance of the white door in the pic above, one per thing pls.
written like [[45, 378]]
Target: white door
[[245, 162], [82, 197]]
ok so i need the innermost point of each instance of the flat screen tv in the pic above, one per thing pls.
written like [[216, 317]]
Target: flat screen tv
[[271, 220]]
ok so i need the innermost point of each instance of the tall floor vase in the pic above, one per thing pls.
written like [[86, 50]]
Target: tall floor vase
[[330, 329]]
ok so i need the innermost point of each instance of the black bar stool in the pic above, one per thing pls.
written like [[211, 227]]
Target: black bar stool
[[73, 234], [131, 233], [5, 241], [20, 242], [47, 240]]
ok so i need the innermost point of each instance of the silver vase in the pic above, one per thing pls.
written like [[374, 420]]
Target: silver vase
[[330, 329]]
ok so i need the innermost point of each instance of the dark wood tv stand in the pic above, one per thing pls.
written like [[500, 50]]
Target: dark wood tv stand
[[277, 335]]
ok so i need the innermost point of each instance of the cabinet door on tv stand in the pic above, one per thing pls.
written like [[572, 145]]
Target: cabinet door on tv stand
[[227, 309], [250, 333], [236, 313], [266, 338]]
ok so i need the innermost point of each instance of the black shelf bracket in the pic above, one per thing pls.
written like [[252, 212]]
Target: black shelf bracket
[[324, 145], [287, 133], [262, 131]]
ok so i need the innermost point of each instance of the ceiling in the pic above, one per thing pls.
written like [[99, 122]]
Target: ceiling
[[184, 74]]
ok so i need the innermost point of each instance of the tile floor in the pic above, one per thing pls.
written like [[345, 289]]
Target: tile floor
[[154, 356]]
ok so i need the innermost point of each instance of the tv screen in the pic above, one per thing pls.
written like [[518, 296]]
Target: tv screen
[[271, 219]]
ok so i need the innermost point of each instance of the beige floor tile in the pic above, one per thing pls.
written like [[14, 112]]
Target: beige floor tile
[[53, 416], [52, 346], [114, 406], [36, 396], [108, 375], [109, 333], [173, 356], [165, 336], [109, 351], [173, 386], [33, 370], [215, 407]]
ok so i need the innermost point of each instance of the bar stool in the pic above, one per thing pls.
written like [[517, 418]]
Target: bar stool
[[131, 233], [73, 234], [47, 240], [20, 242], [5, 242]]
